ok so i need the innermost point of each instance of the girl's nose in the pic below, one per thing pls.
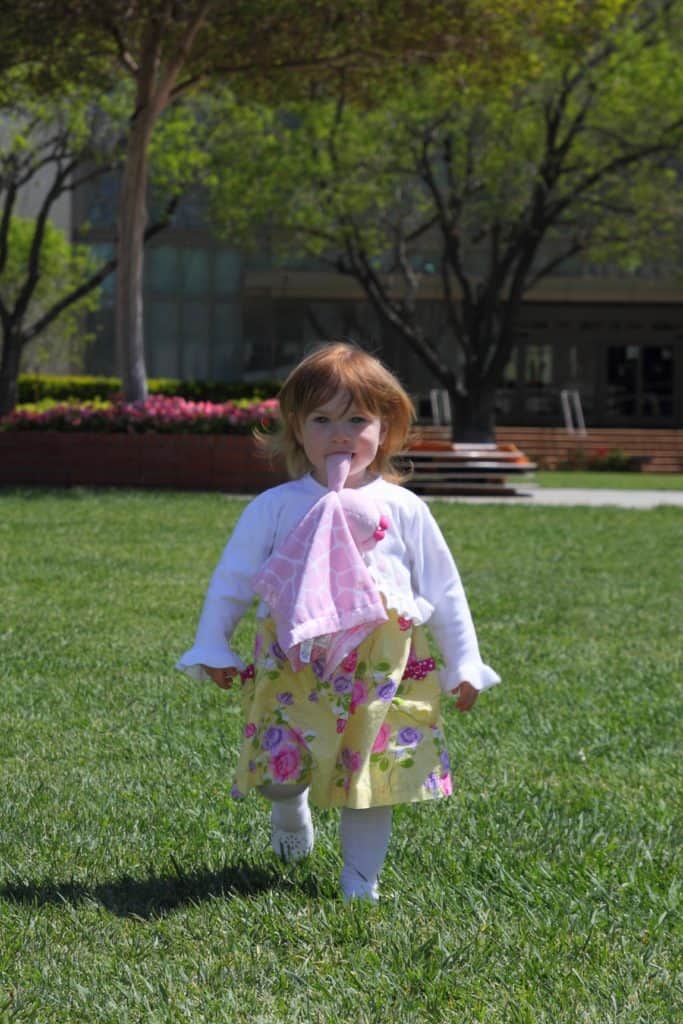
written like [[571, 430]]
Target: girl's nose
[[340, 430]]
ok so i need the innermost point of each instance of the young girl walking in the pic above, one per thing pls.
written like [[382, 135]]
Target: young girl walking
[[342, 702]]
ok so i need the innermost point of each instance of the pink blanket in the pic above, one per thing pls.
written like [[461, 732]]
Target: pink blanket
[[321, 596]]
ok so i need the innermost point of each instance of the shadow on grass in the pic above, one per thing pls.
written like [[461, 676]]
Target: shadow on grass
[[154, 896]]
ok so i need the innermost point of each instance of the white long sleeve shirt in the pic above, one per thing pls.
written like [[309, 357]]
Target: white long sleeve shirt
[[412, 567]]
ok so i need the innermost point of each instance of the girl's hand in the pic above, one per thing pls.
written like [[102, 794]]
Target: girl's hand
[[466, 694], [222, 677]]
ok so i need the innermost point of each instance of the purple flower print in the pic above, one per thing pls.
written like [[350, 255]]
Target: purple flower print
[[236, 794], [249, 729], [445, 760], [351, 759], [286, 698], [272, 737], [432, 782], [409, 737], [314, 696], [387, 690], [318, 666], [342, 684]]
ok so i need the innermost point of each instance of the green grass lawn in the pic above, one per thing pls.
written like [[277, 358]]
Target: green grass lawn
[[618, 481], [133, 889]]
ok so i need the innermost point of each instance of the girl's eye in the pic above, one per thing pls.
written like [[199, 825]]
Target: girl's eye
[[320, 419], [358, 419]]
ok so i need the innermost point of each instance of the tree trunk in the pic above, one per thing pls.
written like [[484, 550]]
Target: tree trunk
[[132, 220], [9, 372], [474, 419]]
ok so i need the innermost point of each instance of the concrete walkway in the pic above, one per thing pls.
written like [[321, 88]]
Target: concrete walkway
[[532, 494]]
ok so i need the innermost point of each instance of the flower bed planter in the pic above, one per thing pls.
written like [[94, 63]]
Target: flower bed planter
[[228, 462]]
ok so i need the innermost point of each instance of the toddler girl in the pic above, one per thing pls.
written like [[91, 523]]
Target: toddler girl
[[342, 702]]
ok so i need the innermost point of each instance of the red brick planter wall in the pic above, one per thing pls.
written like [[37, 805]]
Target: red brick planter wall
[[230, 463], [550, 445]]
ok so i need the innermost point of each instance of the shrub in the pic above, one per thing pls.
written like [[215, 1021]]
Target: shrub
[[160, 413], [35, 387], [604, 459]]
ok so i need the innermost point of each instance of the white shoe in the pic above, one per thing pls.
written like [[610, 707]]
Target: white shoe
[[293, 846]]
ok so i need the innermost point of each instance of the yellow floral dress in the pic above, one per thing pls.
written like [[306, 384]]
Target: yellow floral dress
[[371, 735]]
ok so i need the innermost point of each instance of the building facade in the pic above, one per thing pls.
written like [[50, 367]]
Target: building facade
[[213, 312]]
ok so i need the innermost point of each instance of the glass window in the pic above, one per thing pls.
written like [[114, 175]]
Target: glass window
[[227, 269], [102, 252], [100, 201], [657, 380], [227, 342], [194, 341], [622, 380], [538, 366], [161, 270], [582, 374], [194, 271], [540, 398], [161, 338]]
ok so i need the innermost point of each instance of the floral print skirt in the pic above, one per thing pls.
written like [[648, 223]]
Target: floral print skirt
[[370, 736]]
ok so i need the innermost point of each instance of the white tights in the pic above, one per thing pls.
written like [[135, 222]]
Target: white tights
[[364, 834]]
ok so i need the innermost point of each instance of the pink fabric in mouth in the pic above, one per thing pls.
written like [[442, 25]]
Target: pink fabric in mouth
[[318, 589]]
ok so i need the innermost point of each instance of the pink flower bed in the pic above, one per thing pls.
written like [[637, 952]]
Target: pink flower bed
[[159, 414]]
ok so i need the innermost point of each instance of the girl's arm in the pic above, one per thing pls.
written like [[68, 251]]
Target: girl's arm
[[229, 595], [438, 580]]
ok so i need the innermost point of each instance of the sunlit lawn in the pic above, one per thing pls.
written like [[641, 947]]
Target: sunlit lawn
[[619, 481], [133, 889]]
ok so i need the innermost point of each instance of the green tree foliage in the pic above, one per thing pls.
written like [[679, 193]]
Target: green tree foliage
[[61, 270], [169, 50], [49, 148], [468, 184]]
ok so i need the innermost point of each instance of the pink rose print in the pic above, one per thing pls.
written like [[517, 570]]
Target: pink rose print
[[381, 739], [359, 695], [249, 729], [341, 725], [285, 764], [446, 784], [404, 624], [350, 661]]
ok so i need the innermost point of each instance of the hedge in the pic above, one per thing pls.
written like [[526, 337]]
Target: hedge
[[36, 387]]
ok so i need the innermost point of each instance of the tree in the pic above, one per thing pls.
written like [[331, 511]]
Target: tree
[[169, 50], [62, 268], [51, 148], [476, 194]]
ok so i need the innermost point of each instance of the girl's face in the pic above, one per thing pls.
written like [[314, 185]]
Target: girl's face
[[338, 427]]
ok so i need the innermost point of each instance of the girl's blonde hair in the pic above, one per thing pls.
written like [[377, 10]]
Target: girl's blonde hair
[[334, 368]]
